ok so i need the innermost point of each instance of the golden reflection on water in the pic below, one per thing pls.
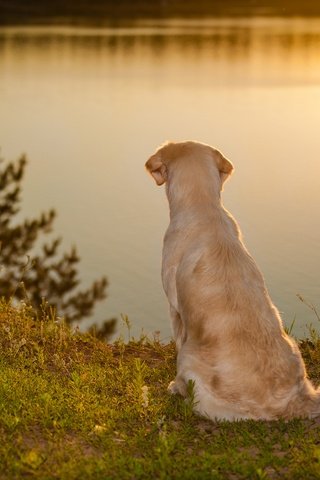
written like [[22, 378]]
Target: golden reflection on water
[[89, 105], [244, 50]]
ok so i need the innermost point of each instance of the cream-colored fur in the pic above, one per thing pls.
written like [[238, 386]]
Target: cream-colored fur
[[229, 336]]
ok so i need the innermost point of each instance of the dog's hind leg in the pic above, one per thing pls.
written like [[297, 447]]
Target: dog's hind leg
[[179, 332]]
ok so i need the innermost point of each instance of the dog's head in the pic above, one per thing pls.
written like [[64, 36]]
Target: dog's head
[[163, 160]]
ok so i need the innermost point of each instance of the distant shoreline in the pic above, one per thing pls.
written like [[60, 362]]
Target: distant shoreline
[[18, 12]]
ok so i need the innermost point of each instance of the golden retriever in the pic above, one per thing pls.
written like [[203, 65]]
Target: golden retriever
[[229, 336]]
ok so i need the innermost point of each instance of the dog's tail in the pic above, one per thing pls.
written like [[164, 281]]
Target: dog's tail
[[314, 404], [307, 403]]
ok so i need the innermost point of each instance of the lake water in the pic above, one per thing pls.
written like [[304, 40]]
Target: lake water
[[89, 105]]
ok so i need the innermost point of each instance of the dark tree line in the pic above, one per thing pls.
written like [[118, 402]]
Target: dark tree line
[[109, 10], [37, 274]]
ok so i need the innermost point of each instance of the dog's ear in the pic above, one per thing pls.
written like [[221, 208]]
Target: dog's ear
[[224, 165], [157, 168]]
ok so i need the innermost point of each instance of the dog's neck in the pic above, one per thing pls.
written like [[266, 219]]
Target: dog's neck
[[193, 192], [193, 203]]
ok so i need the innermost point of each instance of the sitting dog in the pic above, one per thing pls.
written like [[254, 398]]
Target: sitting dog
[[229, 336]]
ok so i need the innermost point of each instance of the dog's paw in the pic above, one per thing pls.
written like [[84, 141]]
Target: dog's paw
[[173, 388]]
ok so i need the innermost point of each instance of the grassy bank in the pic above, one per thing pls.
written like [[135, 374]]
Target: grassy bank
[[72, 407]]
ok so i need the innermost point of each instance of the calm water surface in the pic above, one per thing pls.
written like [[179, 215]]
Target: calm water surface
[[89, 106]]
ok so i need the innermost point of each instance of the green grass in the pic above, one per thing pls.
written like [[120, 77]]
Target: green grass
[[73, 407]]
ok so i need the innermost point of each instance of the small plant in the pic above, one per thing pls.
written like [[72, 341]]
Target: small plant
[[126, 322], [289, 329], [32, 273], [190, 401], [309, 305]]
